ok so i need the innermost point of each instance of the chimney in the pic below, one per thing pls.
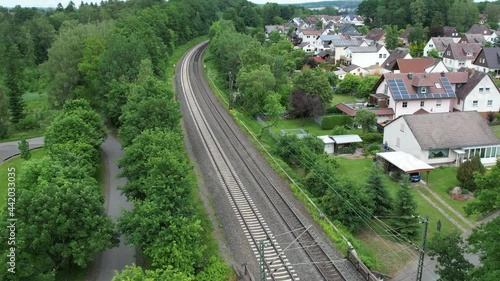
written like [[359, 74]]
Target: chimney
[[443, 74], [410, 75]]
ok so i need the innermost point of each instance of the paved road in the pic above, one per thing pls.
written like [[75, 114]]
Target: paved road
[[8, 149], [116, 258]]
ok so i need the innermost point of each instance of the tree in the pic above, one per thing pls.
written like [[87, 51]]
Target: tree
[[274, 36], [483, 242], [12, 80], [466, 170], [404, 209], [365, 87], [273, 108], [417, 35], [487, 193], [367, 119], [255, 84], [463, 14], [315, 83], [305, 105], [350, 84], [449, 252], [391, 37], [378, 193], [492, 10], [24, 148], [419, 12], [434, 54]]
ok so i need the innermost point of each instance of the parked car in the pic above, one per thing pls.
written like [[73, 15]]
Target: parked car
[[415, 177]]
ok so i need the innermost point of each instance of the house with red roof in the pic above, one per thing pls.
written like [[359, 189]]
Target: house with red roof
[[419, 65], [408, 93]]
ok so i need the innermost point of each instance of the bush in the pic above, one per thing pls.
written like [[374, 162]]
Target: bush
[[465, 191], [466, 170], [29, 122], [396, 176], [339, 130], [371, 149], [333, 110], [498, 116], [372, 138], [331, 121]]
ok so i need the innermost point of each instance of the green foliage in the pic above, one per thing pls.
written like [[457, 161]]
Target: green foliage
[[378, 193], [329, 122], [24, 148], [216, 270], [315, 83], [466, 171], [28, 122], [339, 130], [136, 273], [449, 252], [434, 54], [367, 119], [487, 192], [391, 37], [350, 84], [404, 209], [462, 14], [372, 138], [255, 84], [365, 87], [483, 242]]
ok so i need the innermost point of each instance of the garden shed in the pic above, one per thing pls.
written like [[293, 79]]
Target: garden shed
[[334, 144]]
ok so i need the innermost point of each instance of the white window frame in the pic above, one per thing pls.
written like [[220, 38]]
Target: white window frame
[[475, 103], [481, 90], [404, 104], [489, 103], [439, 103], [422, 103]]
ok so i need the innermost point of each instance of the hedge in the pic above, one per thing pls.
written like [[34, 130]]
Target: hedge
[[331, 121]]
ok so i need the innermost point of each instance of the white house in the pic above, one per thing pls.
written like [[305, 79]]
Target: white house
[[307, 47], [443, 138], [365, 56], [438, 43], [480, 93], [488, 60], [339, 45], [410, 93], [355, 70], [458, 55], [309, 35]]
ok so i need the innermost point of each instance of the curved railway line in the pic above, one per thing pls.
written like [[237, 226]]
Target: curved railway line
[[304, 238]]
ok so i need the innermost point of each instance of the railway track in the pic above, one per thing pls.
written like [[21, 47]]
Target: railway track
[[304, 237]]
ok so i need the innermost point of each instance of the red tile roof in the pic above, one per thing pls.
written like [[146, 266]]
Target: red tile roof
[[415, 65], [352, 112]]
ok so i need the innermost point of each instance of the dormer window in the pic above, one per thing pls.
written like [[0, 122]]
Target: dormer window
[[447, 53], [469, 54], [423, 90]]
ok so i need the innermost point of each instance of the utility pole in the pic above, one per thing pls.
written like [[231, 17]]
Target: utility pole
[[422, 250], [262, 261], [230, 90]]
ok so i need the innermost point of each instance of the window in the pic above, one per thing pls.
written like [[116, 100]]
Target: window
[[474, 103], [385, 55], [448, 53], [487, 90], [439, 153], [437, 85], [398, 142], [405, 104], [438, 103], [431, 46], [461, 63], [422, 103], [481, 90], [385, 88], [423, 90], [402, 129], [379, 56], [469, 54], [490, 103]]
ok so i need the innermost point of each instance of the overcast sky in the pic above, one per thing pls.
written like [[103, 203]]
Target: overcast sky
[[53, 3]]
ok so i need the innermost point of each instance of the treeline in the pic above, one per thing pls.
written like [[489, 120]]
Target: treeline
[[461, 14], [60, 217]]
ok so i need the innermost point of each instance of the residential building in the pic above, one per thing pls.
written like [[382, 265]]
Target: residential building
[[398, 53], [279, 28], [450, 31], [420, 65], [459, 55], [355, 70], [309, 36], [382, 113], [365, 56], [339, 46], [410, 92], [443, 138], [349, 29], [488, 60], [403, 37], [375, 36], [354, 19], [473, 38], [438, 43], [480, 93]]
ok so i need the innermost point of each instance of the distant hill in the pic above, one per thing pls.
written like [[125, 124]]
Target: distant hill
[[352, 4]]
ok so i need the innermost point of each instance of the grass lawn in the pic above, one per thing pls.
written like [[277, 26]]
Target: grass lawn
[[441, 180], [340, 98], [496, 129], [17, 163], [36, 106]]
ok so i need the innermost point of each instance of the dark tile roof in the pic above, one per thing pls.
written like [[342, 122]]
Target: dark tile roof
[[492, 57], [480, 29], [398, 53], [405, 33], [375, 34], [446, 130], [450, 31], [350, 68], [474, 78], [473, 38], [441, 43], [350, 29], [459, 51], [415, 65]]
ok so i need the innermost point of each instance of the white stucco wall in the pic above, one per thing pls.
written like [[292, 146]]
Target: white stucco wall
[[481, 98]]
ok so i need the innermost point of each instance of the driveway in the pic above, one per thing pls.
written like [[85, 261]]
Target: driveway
[[9, 149], [116, 258]]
